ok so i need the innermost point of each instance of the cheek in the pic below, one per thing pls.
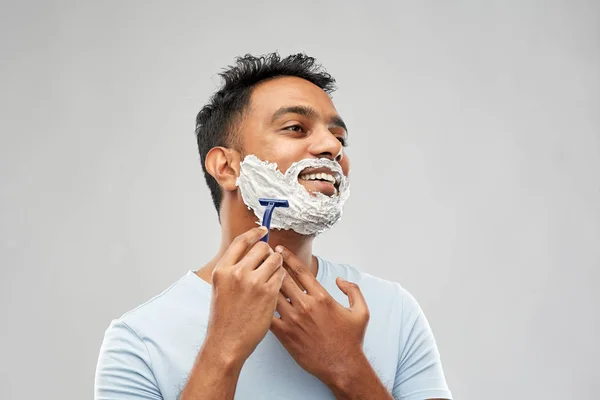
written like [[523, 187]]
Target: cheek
[[271, 152], [283, 165], [284, 154]]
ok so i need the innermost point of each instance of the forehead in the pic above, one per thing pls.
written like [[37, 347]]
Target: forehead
[[267, 97]]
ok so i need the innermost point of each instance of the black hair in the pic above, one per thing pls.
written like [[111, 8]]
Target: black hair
[[217, 121]]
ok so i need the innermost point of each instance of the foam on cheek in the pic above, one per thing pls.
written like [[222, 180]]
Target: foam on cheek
[[308, 214]]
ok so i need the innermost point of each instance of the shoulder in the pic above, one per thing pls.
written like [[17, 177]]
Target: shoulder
[[165, 309]]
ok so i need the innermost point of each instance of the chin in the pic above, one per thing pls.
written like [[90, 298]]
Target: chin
[[289, 232]]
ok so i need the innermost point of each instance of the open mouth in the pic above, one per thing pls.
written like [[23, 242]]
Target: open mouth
[[322, 180]]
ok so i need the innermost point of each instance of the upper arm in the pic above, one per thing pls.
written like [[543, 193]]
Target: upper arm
[[124, 369], [419, 373]]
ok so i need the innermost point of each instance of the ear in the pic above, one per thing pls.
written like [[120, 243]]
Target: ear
[[223, 164]]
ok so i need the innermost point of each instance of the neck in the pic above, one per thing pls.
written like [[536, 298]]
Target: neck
[[237, 219]]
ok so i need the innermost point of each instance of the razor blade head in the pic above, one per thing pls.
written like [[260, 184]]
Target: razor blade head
[[275, 202]]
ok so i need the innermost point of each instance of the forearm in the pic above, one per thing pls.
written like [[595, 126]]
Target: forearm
[[213, 376], [359, 382]]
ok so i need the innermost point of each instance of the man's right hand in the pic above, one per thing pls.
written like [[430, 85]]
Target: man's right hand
[[246, 283]]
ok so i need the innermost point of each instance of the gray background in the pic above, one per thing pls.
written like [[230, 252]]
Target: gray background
[[474, 140]]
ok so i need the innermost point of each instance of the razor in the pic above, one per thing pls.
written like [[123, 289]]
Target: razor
[[271, 204]]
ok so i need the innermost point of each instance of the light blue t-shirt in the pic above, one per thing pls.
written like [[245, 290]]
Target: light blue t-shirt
[[149, 352]]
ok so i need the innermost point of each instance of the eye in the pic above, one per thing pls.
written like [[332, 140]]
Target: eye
[[343, 141], [294, 128]]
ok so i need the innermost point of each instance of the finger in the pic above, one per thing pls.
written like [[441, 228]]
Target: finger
[[276, 280], [269, 267], [290, 290], [296, 281], [276, 326], [355, 297], [299, 270], [255, 256], [241, 244], [284, 308]]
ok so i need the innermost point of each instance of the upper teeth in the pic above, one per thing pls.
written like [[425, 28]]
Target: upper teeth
[[322, 175]]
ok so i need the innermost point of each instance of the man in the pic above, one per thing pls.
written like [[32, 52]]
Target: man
[[273, 321]]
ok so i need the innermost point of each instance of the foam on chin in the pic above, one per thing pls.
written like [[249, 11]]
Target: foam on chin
[[308, 213]]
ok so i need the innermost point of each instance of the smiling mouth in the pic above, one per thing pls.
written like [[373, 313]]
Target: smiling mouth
[[321, 180]]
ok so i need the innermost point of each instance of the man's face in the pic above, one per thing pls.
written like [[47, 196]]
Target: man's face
[[290, 119]]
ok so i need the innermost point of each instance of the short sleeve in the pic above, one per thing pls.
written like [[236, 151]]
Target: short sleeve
[[124, 369], [419, 373]]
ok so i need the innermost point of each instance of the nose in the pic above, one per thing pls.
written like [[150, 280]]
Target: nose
[[324, 144]]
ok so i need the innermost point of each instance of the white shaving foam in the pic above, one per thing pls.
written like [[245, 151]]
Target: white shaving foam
[[308, 214]]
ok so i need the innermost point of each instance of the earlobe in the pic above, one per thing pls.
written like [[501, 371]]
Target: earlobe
[[223, 164]]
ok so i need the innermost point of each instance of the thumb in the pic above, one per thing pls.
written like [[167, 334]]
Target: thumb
[[355, 297]]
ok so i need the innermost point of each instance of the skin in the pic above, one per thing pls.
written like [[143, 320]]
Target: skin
[[290, 138], [247, 290]]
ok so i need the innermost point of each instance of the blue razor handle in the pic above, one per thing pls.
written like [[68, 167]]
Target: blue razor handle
[[270, 204]]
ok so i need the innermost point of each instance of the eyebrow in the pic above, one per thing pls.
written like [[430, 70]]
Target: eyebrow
[[309, 112]]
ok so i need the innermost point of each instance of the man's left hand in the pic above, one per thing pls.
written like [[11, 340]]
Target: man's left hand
[[325, 338]]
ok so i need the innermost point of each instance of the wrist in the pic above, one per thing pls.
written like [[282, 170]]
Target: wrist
[[214, 372], [342, 383], [222, 355]]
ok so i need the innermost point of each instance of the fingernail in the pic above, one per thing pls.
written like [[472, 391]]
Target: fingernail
[[263, 228], [279, 249]]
